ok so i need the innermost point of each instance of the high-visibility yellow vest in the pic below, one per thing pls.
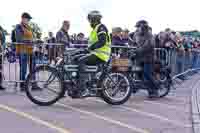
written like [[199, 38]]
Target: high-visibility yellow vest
[[104, 52]]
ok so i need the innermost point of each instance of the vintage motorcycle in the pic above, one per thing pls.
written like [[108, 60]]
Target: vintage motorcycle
[[112, 87]]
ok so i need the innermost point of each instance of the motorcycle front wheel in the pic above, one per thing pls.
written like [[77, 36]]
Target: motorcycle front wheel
[[116, 89]]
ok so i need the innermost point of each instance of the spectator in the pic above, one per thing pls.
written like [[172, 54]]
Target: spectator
[[125, 36], [24, 35], [2, 41], [80, 41], [13, 38], [63, 37], [131, 39], [117, 37], [188, 57], [180, 53], [187, 44], [117, 40], [195, 52], [51, 48], [159, 39]]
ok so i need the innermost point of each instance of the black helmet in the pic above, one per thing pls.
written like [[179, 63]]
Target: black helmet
[[94, 16], [141, 23], [26, 15]]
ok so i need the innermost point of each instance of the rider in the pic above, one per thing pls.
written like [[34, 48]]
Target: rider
[[145, 54], [99, 49]]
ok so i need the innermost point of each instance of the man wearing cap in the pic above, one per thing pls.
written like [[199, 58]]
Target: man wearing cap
[[24, 35], [145, 53], [117, 36], [117, 39], [125, 36]]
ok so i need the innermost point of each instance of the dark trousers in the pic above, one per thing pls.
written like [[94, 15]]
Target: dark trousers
[[90, 60], [148, 75]]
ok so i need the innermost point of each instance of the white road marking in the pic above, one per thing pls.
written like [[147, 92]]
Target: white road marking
[[166, 106], [34, 119], [180, 124], [132, 128]]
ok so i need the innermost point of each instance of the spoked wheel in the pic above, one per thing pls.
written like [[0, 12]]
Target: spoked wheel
[[164, 85], [116, 89], [44, 86]]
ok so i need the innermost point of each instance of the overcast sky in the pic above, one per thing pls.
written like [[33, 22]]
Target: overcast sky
[[49, 14]]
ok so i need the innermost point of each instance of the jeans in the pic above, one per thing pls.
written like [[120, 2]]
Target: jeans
[[172, 60], [195, 59], [179, 63], [188, 61], [148, 75], [24, 60]]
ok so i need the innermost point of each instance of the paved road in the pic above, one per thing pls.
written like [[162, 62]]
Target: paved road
[[168, 115]]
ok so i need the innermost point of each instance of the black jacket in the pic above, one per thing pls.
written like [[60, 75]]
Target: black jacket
[[145, 47]]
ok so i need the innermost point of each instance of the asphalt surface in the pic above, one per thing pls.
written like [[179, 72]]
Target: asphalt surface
[[171, 114]]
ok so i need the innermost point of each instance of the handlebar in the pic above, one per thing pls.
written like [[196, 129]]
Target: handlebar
[[72, 52]]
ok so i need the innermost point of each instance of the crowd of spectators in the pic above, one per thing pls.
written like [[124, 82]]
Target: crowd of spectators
[[184, 48]]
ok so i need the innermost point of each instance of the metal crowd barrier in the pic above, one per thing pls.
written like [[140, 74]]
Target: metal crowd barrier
[[160, 54], [27, 56], [44, 53]]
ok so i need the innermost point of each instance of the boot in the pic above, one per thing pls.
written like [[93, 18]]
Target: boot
[[153, 94], [81, 90]]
